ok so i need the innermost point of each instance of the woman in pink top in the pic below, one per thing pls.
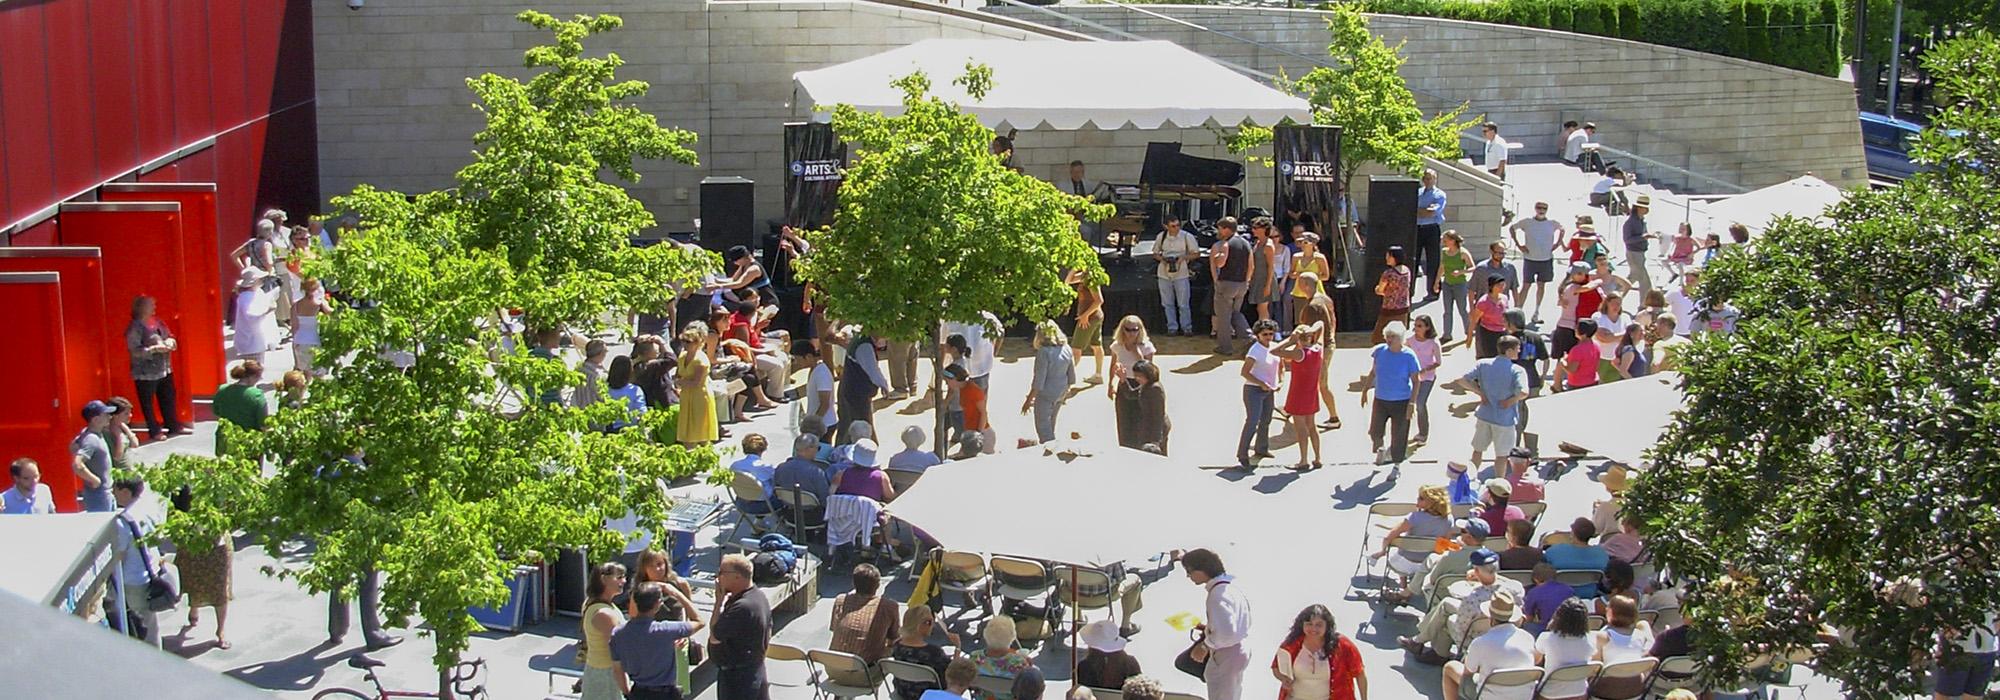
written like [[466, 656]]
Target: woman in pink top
[[1424, 340], [1489, 317], [1579, 368]]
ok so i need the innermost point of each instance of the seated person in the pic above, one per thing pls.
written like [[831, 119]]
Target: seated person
[[1431, 519], [970, 445], [1444, 624], [865, 624], [915, 647], [1105, 665], [734, 360], [1521, 553], [753, 463], [1626, 545], [1540, 602], [1600, 192], [804, 472], [1527, 485], [1440, 570], [863, 475], [1493, 506], [1502, 647], [1579, 555], [749, 322], [913, 458], [958, 679]]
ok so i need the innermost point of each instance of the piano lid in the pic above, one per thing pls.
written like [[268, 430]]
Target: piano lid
[[1167, 165]]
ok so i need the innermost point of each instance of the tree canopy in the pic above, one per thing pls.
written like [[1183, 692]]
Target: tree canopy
[[421, 454], [1368, 99], [932, 227], [1835, 464]]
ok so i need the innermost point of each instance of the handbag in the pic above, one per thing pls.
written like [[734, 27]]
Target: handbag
[[163, 592], [1185, 662]]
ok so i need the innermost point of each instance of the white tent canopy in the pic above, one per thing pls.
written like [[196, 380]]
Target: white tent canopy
[[1806, 197], [1063, 84]]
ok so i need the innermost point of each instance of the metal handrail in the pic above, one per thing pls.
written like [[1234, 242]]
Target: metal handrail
[[1724, 186]]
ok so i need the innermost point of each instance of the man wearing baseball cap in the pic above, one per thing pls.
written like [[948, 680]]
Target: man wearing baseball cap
[[1504, 646], [90, 457]]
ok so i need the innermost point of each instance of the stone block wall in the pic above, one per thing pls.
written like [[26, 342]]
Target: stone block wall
[[1744, 122]]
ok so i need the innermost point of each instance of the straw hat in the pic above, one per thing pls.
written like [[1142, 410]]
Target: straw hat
[[1102, 635], [1614, 479], [1501, 606]]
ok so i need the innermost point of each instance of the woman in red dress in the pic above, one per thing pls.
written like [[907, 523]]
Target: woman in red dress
[[1306, 352]]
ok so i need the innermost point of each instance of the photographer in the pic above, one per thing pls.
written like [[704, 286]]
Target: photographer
[[1176, 250]]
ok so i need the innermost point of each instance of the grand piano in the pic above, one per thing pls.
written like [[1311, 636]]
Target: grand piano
[[1199, 190]]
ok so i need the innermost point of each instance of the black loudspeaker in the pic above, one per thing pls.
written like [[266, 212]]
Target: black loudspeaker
[[727, 207], [1392, 221]]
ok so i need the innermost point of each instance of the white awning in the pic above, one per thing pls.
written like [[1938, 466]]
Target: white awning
[[1063, 84], [1806, 197]]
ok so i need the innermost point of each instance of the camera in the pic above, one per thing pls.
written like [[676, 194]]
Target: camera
[[1173, 262]]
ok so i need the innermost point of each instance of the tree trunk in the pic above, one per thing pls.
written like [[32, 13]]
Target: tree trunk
[[937, 405], [444, 681]]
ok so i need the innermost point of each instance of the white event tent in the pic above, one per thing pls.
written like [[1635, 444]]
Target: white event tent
[[1060, 84]]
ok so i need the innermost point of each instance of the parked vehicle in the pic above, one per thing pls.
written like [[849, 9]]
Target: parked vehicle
[[1886, 140]]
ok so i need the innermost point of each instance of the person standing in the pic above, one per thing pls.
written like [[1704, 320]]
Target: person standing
[[207, 578], [1308, 261], [696, 423], [1534, 352], [645, 651], [1456, 271], [1494, 157], [860, 381], [1175, 252], [1430, 230], [240, 402], [1055, 373], [1230, 268], [140, 560], [1501, 386], [1225, 627], [1393, 377], [90, 458], [1089, 322], [740, 632], [1141, 405], [1306, 351], [1538, 237], [1260, 389], [1424, 341], [256, 327], [1394, 289], [1684, 303], [902, 368], [1317, 662], [591, 391], [1080, 186], [151, 345], [1637, 240], [1263, 266], [305, 322], [28, 495], [601, 618], [1130, 346]]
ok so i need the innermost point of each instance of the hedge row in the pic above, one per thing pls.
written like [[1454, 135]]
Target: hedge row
[[1800, 34]]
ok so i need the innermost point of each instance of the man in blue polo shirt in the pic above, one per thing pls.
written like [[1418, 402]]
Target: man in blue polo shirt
[[645, 652], [1393, 377], [1501, 386], [1430, 229]]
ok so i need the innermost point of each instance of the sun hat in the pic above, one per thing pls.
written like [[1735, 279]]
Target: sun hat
[[866, 453], [1643, 201], [251, 277], [1102, 635], [1614, 480], [1501, 605], [1499, 487]]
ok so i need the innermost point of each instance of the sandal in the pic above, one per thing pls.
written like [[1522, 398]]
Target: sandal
[[1332, 423]]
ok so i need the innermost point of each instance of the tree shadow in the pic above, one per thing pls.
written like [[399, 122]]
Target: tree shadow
[[298, 672], [1206, 363]]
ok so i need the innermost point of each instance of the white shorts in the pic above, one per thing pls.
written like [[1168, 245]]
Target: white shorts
[[1499, 438]]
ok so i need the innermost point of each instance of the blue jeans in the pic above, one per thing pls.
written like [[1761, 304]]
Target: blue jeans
[[1258, 403], [1455, 302], [1045, 416], [1424, 407], [98, 500], [1174, 297]]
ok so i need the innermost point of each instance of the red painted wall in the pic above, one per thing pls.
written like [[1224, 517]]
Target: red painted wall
[[32, 366], [92, 89], [142, 255], [201, 336]]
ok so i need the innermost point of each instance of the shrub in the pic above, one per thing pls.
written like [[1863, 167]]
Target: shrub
[[1799, 34]]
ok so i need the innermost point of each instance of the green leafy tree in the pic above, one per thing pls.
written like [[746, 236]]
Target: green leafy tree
[[931, 227], [1378, 116], [423, 455], [1835, 465]]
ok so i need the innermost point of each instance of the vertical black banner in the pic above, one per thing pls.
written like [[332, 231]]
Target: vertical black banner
[[1308, 170], [814, 160]]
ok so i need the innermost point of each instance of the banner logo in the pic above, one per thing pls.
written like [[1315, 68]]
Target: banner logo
[[1308, 171], [816, 170]]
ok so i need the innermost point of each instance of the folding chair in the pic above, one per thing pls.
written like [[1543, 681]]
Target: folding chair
[[910, 673], [1582, 673], [966, 574], [993, 685], [1181, 696], [1019, 578], [1086, 578], [748, 494], [1580, 577], [1597, 622], [786, 652], [1673, 673], [1508, 678], [1532, 511], [795, 506], [1479, 626], [1422, 545], [1667, 618], [1636, 668], [1496, 543], [844, 675], [1461, 511], [902, 479], [1525, 576]]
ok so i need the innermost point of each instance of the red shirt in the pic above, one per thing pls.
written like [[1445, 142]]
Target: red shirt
[[1588, 302], [1585, 355], [972, 400], [1344, 666], [740, 329]]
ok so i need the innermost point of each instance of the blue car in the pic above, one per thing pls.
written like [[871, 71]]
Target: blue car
[[1886, 140]]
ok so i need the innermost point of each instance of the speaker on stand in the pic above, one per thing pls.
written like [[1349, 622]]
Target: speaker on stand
[[728, 213], [1392, 221]]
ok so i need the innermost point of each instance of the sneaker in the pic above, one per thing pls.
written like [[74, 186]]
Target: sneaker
[[1419, 440], [1382, 455], [1445, 340], [1396, 471]]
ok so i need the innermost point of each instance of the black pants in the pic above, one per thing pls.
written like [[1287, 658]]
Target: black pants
[[742, 684], [1396, 415], [1562, 340], [1488, 344], [650, 692], [1428, 253], [158, 392], [849, 410], [371, 610]]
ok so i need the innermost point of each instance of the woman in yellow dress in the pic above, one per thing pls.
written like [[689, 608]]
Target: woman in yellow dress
[[697, 418]]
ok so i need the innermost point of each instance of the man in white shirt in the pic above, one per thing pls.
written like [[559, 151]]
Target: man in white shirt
[[818, 418], [1600, 193], [1573, 139], [1682, 301], [1538, 237], [984, 340], [1495, 157], [1226, 626], [29, 496], [1175, 253], [1504, 646]]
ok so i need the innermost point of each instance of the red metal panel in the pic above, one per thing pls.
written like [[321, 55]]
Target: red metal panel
[[263, 24], [39, 234], [91, 350], [201, 337], [154, 79], [68, 57], [295, 58], [114, 103], [227, 60], [194, 108], [24, 113], [33, 413], [142, 255]]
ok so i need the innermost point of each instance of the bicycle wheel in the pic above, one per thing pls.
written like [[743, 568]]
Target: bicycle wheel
[[342, 694]]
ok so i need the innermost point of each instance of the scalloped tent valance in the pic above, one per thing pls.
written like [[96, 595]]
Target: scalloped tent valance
[[1062, 84]]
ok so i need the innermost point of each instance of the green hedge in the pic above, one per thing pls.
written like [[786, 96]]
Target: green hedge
[[1801, 34]]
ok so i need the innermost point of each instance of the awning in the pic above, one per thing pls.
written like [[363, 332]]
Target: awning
[[1619, 420], [1805, 197], [1061, 84]]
